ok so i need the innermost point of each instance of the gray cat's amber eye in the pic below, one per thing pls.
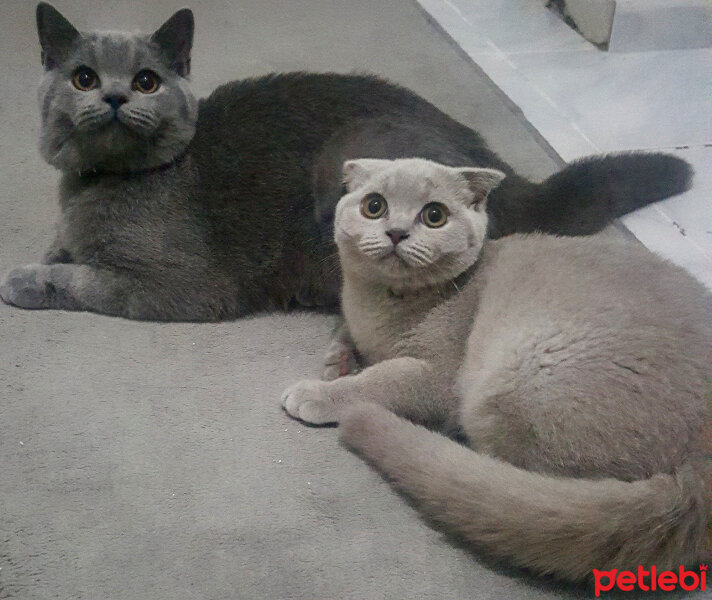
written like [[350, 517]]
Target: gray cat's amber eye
[[434, 214], [373, 206], [146, 82], [84, 79]]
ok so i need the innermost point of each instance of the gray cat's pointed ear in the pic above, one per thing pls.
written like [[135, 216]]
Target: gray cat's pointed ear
[[481, 182], [357, 172], [56, 35], [175, 39]]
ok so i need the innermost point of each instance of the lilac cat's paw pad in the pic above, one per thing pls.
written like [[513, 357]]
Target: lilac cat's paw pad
[[340, 360], [345, 364], [330, 372], [307, 401], [25, 287]]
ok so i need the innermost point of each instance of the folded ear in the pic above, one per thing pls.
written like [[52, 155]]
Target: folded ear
[[480, 182], [56, 35], [357, 172], [175, 39]]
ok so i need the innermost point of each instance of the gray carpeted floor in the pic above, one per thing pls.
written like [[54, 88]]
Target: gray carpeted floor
[[152, 461]]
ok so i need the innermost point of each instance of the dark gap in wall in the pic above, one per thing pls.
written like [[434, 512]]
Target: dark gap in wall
[[559, 8]]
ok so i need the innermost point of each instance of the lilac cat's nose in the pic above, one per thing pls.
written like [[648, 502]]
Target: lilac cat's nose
[[115, 101], [397, 235]]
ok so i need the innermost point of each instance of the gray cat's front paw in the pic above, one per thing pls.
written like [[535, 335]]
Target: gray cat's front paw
[[308, 401], [26, 287], [55, 256]]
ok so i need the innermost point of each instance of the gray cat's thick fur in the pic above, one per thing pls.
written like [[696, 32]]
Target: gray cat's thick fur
[[179, 210], [579, 371]]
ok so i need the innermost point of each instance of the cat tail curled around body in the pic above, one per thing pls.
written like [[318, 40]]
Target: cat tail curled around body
[[560, 526], [587, 194]]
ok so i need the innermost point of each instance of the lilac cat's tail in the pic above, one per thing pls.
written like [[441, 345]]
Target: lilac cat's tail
[[552, 525]]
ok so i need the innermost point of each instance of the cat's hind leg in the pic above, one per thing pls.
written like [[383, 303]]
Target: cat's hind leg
[[586, 417]]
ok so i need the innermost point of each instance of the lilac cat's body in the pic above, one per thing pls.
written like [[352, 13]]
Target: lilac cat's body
[[578, 370]]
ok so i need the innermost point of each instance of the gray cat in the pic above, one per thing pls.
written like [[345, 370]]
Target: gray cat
[[578, 370], [173, 209]]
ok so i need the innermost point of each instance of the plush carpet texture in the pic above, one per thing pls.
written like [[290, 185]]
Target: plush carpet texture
[[153, 461]]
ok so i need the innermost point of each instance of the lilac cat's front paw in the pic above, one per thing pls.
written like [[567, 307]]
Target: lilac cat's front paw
[[26, 287], [308, 401]]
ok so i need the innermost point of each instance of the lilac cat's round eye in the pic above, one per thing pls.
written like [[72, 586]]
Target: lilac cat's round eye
[[434, 214], [146, 82], [373, 206], [84, 79]]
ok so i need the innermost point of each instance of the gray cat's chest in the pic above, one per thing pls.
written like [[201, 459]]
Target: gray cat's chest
[[97, 220], [118, 222]]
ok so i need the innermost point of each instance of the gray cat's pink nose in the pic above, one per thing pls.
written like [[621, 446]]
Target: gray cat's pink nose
[[397, 235]]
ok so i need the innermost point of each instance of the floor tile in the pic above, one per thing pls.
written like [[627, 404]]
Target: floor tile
[[688, 216], [641, 25], [624, 101], [585, 101], [555, 126]]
